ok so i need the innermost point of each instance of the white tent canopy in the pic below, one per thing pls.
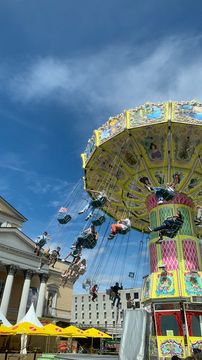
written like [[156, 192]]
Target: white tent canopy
[[4, 320], [31, 317]]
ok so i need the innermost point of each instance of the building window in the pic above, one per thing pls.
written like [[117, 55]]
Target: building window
[[83, 322], [89, 298], [105, 315], [89, 306], [121, 315], [104, 306], [114, 324], [121, 323], [89, 315], [98, 323], [137, 304], [96, 306], [76, 316], [136, 295], [90, 322], [82, 307], [128, 296], [103, 297], [82, 316], [97, 315], [75, 307], [105, 323], [112, 314], [75, 300], [82, 299], [112, 306]]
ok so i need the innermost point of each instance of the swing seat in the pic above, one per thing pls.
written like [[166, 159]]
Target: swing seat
[[99, 202], [172, 232], [89, 241], [99, 221], [169, 197], [124, 231], [64, 219]]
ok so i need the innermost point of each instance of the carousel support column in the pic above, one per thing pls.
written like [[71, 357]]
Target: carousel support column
[[41, 298], [7, 289], [25, 293]]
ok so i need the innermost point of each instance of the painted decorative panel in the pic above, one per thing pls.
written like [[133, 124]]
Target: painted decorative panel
[[153, 258], [190, 255], [169, 255]]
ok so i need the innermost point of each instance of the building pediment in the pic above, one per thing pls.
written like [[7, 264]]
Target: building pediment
[[9, 214], [17, 249]]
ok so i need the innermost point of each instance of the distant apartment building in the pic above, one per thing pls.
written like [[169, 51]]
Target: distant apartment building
[[101, 313]]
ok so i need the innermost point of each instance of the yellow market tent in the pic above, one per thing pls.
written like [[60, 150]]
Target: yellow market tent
[[75, 331], [5, 330], [27, 328], [94, 333]]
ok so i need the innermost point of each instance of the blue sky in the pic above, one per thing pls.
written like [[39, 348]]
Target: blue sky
[[65, 67]]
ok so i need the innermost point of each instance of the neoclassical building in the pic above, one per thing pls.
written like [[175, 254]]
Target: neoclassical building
[[21, 281]]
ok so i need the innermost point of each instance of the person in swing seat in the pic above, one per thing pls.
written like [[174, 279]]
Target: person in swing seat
[[100, 200], [76, 254], [90, 234], [42, 240], [170, 226], [122, 225], [94, 291], [115, 290], [55, 254]]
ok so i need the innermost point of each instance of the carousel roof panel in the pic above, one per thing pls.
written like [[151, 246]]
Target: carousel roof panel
[[153, 141]]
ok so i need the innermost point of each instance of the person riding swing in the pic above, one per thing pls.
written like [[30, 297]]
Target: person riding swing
[[121, 227], [100, 201], [170, 226]]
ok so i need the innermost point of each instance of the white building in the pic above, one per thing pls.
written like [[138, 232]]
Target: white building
[[101, 313], [21, 280]]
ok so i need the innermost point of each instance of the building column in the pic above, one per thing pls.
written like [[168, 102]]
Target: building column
[[24, 296], [7, 289], [41, 296]]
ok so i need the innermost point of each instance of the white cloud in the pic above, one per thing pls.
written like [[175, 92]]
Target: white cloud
[[115, 78]]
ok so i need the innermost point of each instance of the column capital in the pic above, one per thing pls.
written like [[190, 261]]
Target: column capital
[[43, 278], [28, 274], [11, 269]]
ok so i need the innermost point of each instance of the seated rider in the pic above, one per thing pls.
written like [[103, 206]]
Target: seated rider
[[93, 292], [44, 258], [121, 225], [74, 271], [198, 220], [170, 226], [164, 194], [100, 200], [55, 254], [42, 240], [76, 254], [89, 234], [115, 290]]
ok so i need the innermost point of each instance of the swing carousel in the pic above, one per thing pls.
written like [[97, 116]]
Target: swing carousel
[[151, 146]]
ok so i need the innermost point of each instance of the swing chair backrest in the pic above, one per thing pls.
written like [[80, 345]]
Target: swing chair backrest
[[63, 219], [123, 231], [99, 202], [99, 221]]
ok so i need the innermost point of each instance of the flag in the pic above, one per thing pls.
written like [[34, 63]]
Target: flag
[[63, 210]]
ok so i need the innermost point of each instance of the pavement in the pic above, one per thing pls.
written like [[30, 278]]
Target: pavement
[[86, 357]]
